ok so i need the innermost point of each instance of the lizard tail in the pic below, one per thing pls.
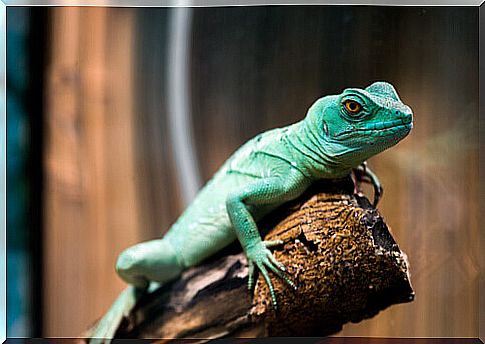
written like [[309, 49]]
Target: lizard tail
[[106, 328]]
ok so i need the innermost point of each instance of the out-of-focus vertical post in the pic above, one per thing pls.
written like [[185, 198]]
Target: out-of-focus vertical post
[[63, 201], [90, 196]]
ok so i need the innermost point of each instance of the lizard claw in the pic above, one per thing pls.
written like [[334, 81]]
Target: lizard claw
[[280, 270], [271, 243], [264, 259], [250, 275]]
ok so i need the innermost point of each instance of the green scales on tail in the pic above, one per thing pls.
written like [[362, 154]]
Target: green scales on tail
[[337, 135]]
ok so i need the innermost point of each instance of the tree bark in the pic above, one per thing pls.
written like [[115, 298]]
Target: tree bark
[[338, 251]]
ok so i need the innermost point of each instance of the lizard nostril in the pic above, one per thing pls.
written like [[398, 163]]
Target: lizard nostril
[[407, 117]]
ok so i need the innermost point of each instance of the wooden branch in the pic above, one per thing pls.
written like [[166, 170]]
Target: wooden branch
[[337, 249]]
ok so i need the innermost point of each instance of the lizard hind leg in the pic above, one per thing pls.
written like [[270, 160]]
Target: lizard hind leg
[[154, 260], [151, 261]]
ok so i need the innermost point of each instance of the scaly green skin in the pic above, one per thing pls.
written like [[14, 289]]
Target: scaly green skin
[[272, 168]]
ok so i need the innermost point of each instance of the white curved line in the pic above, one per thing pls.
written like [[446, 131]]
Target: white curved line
[[179, 117]]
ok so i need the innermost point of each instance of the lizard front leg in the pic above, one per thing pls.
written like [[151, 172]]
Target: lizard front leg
[[267, 191]]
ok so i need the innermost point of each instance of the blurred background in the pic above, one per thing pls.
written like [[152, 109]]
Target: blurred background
[[115, 116]]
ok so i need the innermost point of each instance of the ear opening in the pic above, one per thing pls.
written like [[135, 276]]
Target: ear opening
[[325, 128]]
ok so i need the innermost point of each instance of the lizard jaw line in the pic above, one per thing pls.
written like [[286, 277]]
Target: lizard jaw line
[[408, 126], [383, 128], [398, 123]]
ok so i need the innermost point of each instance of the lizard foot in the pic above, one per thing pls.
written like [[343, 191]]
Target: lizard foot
[[260, 256], [363, 174]]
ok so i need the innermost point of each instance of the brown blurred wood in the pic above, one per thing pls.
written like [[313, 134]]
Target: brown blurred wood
[[63, 185], [336, 248], [91, 210]]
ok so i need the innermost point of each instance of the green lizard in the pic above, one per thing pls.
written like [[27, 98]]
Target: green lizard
[[338, 134]]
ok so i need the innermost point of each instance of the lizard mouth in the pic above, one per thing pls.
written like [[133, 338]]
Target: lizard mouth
[[390, 124], [383, 128]]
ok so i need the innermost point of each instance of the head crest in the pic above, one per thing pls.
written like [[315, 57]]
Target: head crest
[[381, 88]]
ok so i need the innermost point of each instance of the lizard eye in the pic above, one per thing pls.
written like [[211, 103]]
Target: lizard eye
[[352, 106]]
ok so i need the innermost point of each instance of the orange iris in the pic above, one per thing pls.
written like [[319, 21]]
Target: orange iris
[[352, 106]]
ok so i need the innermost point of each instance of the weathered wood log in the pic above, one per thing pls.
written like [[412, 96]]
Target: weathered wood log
[[338, 251]]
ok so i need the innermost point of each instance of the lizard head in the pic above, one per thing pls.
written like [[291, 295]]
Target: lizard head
[[360, 123]]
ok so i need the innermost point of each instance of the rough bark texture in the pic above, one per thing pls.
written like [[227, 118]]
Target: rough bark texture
[[337, 249]]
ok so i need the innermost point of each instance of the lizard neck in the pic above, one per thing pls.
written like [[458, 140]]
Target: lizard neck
[[317, 157]]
